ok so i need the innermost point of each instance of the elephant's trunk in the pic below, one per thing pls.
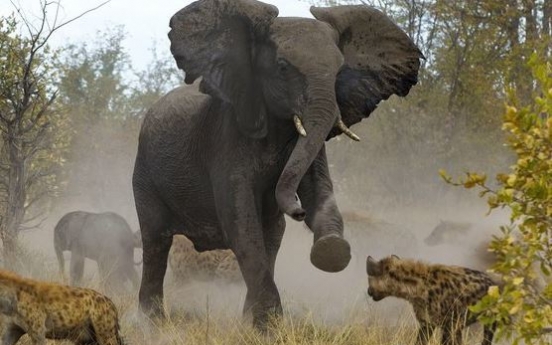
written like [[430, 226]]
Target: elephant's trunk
[[330, 252], [317, 121]]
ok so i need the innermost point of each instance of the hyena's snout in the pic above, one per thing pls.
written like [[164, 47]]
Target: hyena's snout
[[376, 296]]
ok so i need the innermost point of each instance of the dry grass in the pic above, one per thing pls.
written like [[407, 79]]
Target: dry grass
[[290, 330], [182, 328], [212, 322]]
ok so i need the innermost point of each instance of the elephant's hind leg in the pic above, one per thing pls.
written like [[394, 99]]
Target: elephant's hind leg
[[154, 218], [77, 267]]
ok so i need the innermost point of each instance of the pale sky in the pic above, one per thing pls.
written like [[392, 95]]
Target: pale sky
[[145, 21]]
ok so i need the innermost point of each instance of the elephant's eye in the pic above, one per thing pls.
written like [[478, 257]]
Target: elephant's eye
[[283, 65]]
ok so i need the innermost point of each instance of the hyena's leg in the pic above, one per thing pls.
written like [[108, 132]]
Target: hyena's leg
[[488, 334], [105, 324], [109, 338], [425, 331], [37, 330], [452, 333]]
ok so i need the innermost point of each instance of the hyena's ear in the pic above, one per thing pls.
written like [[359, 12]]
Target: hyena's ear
[[395, 257], [373, 267]]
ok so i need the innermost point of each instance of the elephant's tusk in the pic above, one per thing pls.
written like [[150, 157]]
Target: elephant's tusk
[[341, 125], [299, 126]]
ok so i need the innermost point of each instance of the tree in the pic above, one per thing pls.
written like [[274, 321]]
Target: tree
[[160, 75], [33, 136], [522, 308], [106, 100]]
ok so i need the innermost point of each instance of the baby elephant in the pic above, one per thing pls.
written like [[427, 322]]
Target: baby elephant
[[103, 237], [439, 294]]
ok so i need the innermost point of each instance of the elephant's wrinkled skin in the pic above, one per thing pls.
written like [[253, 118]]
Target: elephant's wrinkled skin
[[221, 161], [103, 237]]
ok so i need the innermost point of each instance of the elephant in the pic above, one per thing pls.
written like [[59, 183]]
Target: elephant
[[472, 243], [221, 159], [103, 237], [448, 232]]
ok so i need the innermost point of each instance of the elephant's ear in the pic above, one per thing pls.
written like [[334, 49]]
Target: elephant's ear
[[380, 59], [216, 39]]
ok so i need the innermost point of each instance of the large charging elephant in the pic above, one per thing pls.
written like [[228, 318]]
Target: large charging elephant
[[103, 237], [221, 161]]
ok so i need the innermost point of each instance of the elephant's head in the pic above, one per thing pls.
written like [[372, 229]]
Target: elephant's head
[[318, 74]]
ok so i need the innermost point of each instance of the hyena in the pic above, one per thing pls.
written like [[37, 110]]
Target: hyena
[[439, 294], [54, 311], [187, 264]]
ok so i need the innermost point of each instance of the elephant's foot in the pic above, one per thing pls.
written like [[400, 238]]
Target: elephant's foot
[[153, 308], [266, 320], [331, 253]]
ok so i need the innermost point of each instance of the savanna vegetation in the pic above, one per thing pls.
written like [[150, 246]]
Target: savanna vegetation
[[69, 117]]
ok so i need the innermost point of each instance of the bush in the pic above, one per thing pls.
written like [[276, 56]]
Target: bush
[[522, 307]]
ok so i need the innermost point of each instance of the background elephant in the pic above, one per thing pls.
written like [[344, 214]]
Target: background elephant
[[103, 237], [466, 243], [221, 161]]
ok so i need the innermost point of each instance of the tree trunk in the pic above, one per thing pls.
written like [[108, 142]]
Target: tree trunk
[[547, 25], [16, 197]]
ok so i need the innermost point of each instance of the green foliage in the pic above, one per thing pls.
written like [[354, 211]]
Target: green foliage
[[523, 307], [106, 101], [33, 134], [159, 77], [91, 82]]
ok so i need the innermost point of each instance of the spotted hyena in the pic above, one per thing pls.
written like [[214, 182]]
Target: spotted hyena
[[439, 294], [188, 264], [53, 311]]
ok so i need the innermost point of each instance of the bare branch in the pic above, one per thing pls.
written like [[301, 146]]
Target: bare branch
[[35, 199], [36, 176], [36, 34], [29, 25], [24, 227], [39, 114], [55, 28]]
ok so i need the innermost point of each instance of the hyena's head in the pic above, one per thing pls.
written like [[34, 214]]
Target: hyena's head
[[384, 278]]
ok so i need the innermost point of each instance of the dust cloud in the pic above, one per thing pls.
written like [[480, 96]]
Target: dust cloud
[[388, 208]]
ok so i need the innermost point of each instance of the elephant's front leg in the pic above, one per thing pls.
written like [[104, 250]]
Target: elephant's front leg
[[274, 225], [330, 251], [238, 210]]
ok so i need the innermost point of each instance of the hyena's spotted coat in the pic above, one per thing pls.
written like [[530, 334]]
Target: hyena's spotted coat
[[53, 311], [439, 294], [187, 264]]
